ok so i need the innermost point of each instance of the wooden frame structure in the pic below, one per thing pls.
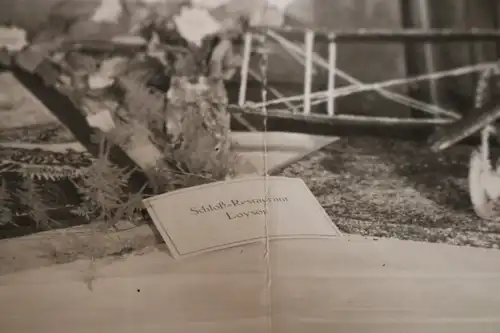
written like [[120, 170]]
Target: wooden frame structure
[[283, 36]]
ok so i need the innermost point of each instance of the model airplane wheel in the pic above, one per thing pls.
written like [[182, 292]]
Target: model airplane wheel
[[484, 183], [480, 176]]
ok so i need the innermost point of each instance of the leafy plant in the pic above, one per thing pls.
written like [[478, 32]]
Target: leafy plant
[[104, 190], [31, 197], [6, 216], [188, 122]]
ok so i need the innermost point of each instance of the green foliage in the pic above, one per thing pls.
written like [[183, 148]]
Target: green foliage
[[142, 104], [51, 172], [189, 124], [31, 198], [191, 128], [5, 205], [197, 123], [104, 191]]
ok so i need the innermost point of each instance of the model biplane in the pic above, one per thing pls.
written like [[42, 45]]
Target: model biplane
[[445, 129]]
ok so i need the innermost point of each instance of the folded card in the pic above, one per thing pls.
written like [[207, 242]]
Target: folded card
[[230, 213]]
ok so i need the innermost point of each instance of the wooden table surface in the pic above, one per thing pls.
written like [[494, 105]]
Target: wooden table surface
[[349, 284]]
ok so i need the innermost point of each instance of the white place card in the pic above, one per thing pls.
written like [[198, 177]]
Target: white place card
[[231, 213]]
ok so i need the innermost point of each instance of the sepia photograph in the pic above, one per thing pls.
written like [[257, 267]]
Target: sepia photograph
[[249, 166]]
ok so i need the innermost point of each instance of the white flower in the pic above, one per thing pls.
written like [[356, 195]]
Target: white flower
[[109, 11], [195, 24], [97, 81], [13, 38], [282, 5]]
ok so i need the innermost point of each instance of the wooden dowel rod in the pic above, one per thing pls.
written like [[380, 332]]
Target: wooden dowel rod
[[247, 51], [332, 66], [309, 43]]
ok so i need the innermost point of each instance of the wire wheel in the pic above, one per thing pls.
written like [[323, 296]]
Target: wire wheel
[[480, 176], [484, 180]]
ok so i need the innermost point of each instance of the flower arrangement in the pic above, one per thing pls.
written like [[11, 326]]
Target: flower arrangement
[[163, 96]]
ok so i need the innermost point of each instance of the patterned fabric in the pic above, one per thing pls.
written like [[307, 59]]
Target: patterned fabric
[[43, 164]]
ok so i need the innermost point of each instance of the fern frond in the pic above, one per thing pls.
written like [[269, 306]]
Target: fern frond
[[6, 215], [104, 191], [31, 196], [50, 172]]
